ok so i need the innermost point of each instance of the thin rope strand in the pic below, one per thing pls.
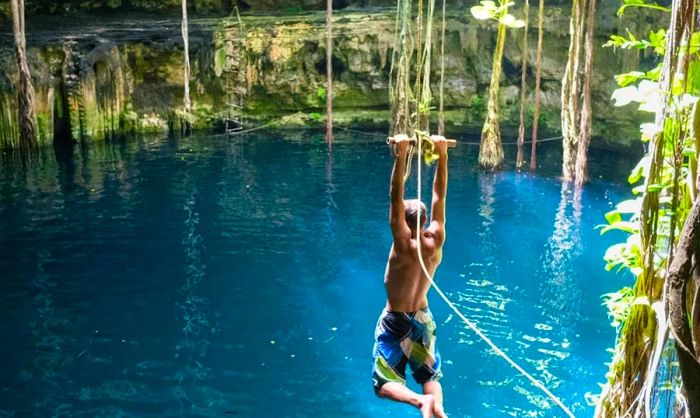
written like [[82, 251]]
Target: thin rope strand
[[377, 134], [441, 111], [473, 327]]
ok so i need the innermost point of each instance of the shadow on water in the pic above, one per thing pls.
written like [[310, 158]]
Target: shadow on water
[[208, 277]]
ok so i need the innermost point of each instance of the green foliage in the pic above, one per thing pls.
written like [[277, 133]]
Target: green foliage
[[291, 10], [640, 3], [424, 108], [672, 180], [429, 153], [315, 116], [321, 93], [656, 41], [43, 130], [663, 182], [478, 105], [693, 84], [489, 10], [620, 304]]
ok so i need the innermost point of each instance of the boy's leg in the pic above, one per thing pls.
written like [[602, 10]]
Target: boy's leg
[[434, 388], [400, 393], [424, 359]]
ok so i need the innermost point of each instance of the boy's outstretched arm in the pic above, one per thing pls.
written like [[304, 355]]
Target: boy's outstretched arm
[[437, 218], [397, 214]]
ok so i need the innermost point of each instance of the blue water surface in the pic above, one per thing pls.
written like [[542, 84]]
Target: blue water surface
[[244, 277]]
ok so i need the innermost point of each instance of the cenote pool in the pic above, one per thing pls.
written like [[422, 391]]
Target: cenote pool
[[243, 277]]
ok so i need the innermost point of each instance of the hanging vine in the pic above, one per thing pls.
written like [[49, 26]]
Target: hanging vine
[[491, 148], [411, 106]]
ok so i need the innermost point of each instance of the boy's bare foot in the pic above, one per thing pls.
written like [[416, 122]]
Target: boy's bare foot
[[427, 403], [439, 412]]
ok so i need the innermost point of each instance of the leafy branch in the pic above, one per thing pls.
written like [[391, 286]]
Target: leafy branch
[[489, 10]]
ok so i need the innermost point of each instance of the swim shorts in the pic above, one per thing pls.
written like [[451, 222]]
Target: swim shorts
[[405, 338]]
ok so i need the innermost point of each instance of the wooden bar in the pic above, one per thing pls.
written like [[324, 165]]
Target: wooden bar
[[451, 143]]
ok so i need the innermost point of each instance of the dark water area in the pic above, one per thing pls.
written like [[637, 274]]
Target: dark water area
[[244, 277]]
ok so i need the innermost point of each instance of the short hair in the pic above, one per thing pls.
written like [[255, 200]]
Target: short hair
[[411, 208]]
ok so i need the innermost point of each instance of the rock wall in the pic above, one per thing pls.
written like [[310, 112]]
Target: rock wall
[[115, 75], [63, 7]]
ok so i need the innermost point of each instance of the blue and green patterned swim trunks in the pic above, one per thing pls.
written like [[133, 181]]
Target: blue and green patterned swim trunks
[[405, 338]]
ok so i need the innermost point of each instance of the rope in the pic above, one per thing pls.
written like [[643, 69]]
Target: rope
[[377, 134], [420, 57], [473, 327], [257, 128], [341, 128], [423, 108], [367, 133], [554, 138], [409, 161], [441, 109]]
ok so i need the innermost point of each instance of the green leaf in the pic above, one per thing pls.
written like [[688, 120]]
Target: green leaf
[[507, 19], [629, 78], [641, 300], [629, 227], [481, 13], [655, 73], [639, 170], [640, 3], [630, 206], [678, 86], [658, 41], [489, 5], [637, 271], [510, 21], [649, 131], [694, 43], [321, 93], [687, 100], [625, 95], [614, 252], [689, 151], [650, 96], [615, 41], [613, 216], [694, 78]]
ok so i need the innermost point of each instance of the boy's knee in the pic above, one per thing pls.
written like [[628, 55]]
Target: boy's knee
[[378, 391], [382, 391]]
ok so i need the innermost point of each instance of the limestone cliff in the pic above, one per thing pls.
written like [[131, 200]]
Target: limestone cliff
[[111, 75]]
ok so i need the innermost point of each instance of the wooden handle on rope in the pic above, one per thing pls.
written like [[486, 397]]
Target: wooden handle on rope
[[451, 143]]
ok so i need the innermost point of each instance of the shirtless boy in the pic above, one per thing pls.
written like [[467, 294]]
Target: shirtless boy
[[405, 333]]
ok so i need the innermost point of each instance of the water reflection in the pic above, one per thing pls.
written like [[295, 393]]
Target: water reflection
[[46, 328], [485, 296], [560, 297], [192, 392]]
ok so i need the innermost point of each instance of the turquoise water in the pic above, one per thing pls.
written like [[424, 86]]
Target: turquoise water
[[214, 277]]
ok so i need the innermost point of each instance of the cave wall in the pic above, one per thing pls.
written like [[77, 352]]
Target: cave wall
[[105, 78]]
